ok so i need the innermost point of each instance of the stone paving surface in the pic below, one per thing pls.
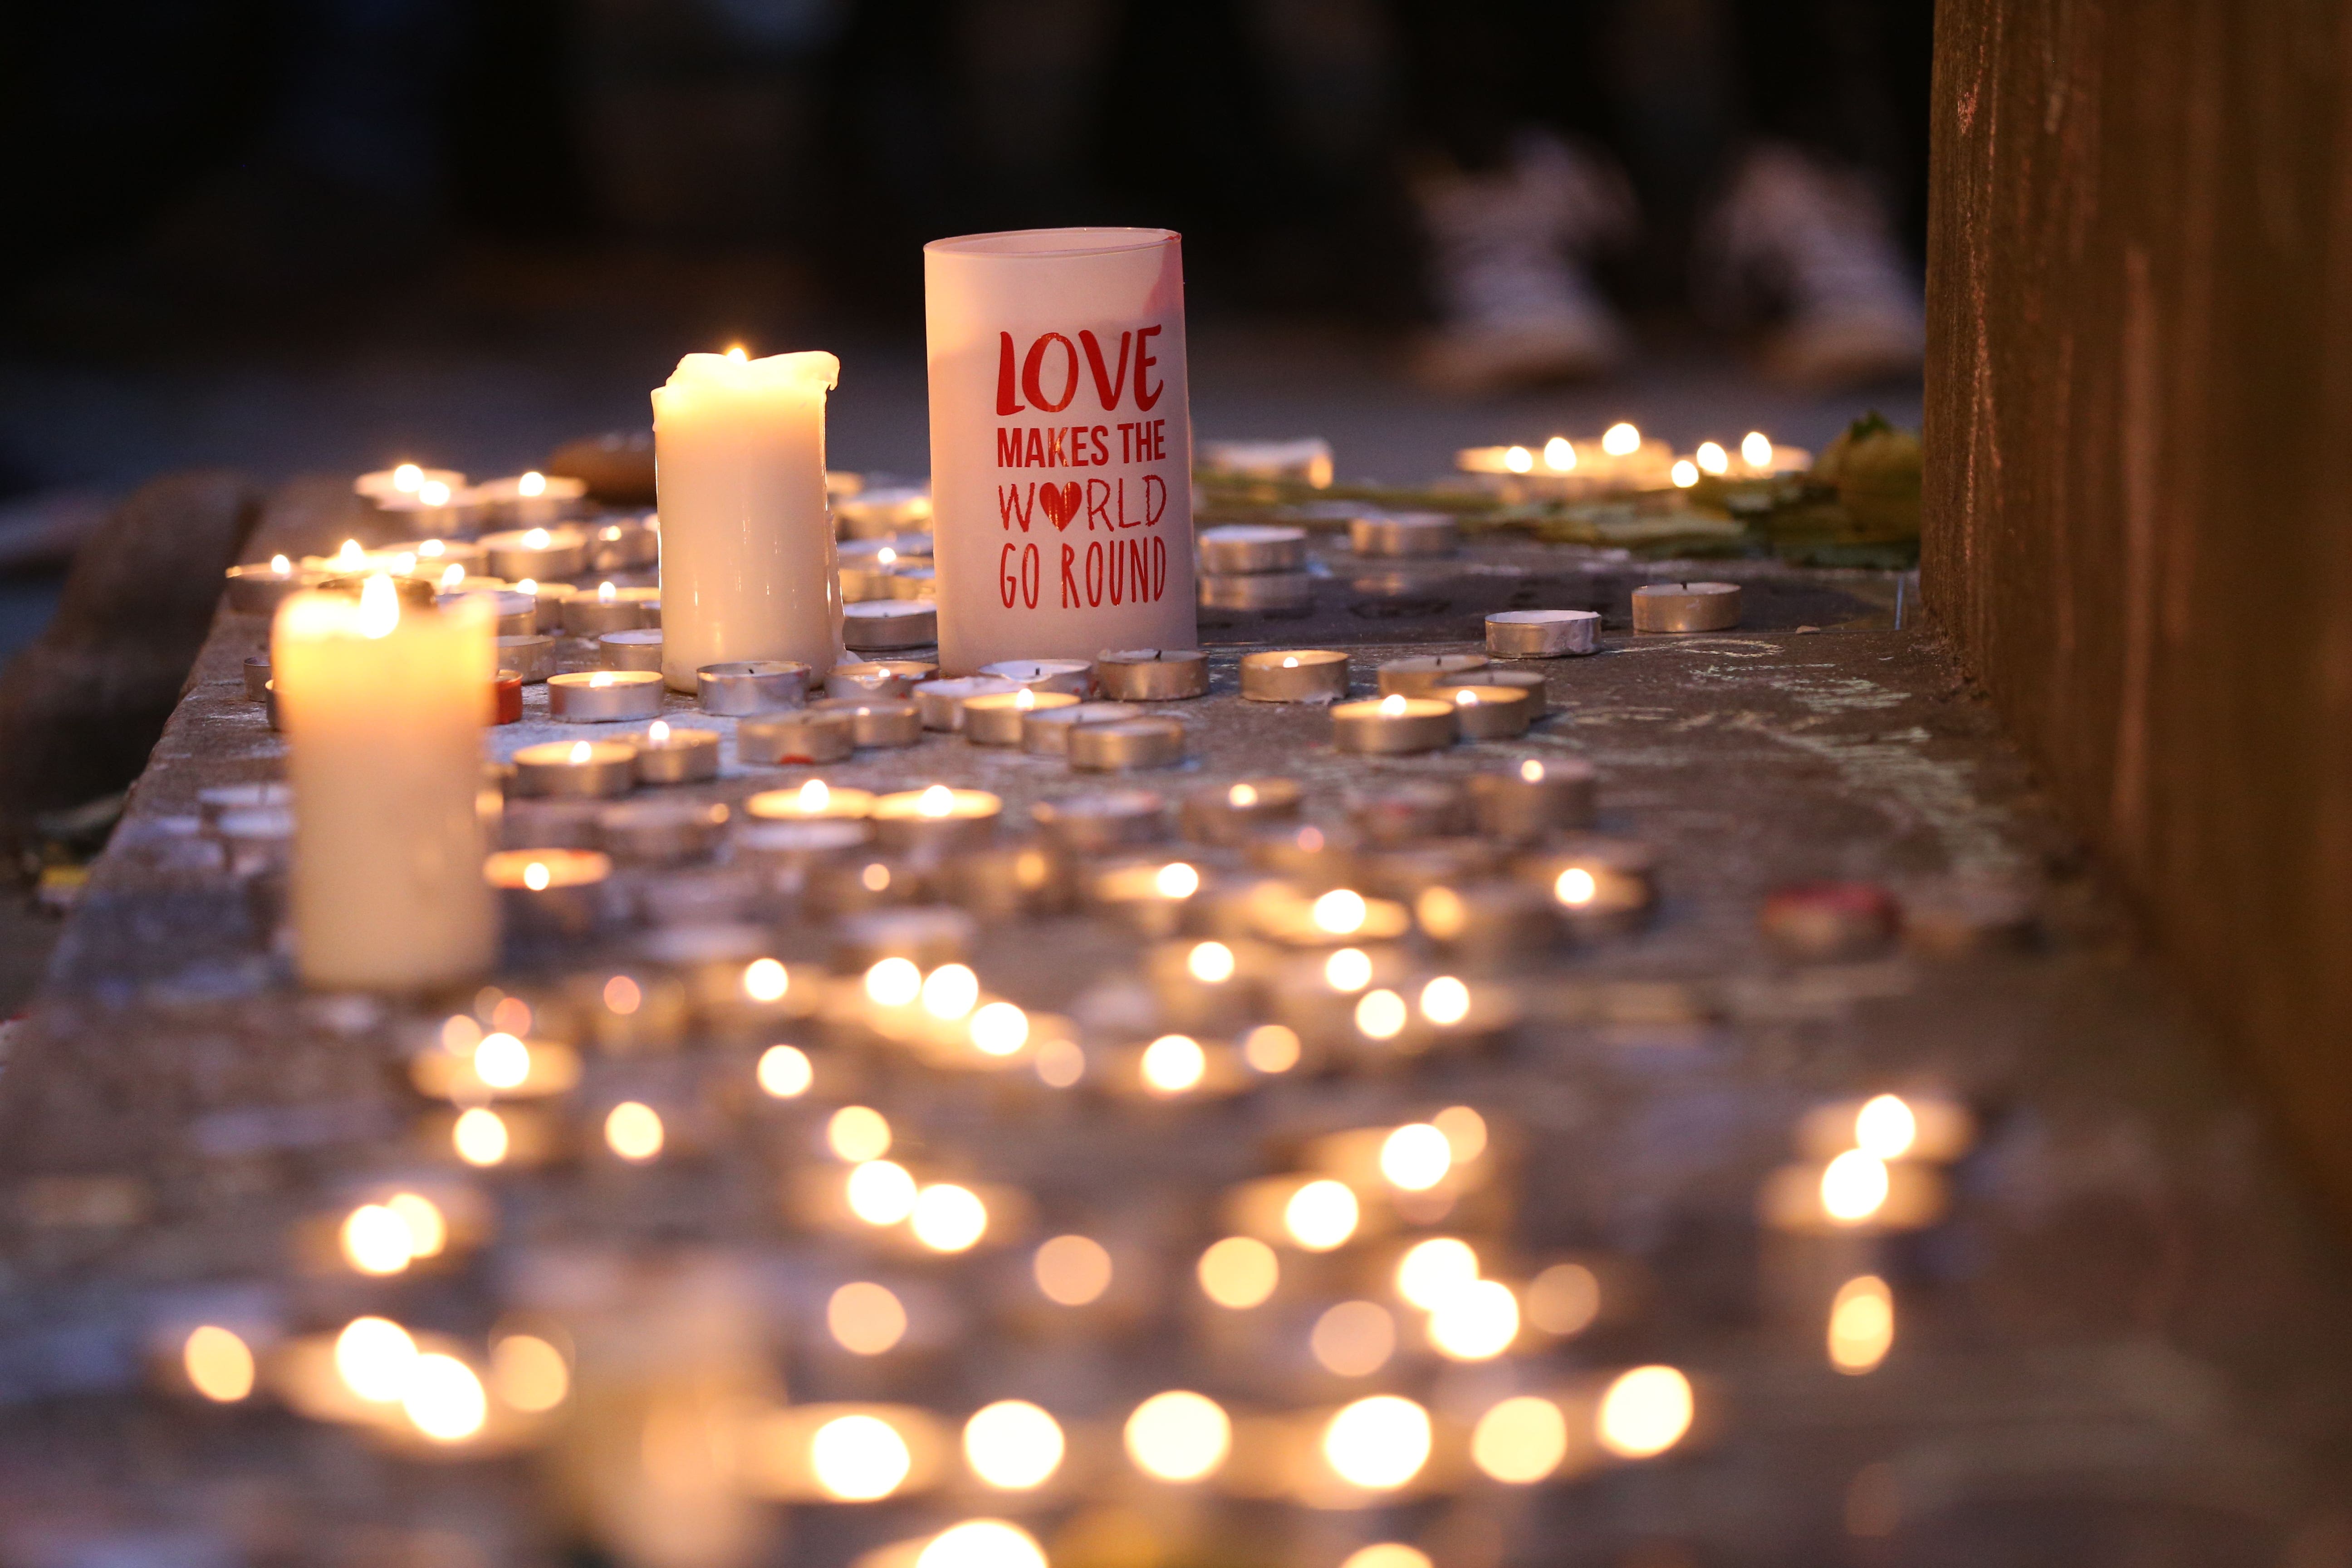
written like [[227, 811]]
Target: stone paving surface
[[2121, 1343]]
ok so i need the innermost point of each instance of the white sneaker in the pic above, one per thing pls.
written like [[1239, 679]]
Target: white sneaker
[[1817, 243], [1507, 254]]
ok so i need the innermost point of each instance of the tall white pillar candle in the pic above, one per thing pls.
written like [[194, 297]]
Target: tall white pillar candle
[[747, 560], [383, 705], [1061, 444]]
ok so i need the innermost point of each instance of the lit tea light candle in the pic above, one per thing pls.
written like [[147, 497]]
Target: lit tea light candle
[[669, 756], [994, 719], [740, 687], [814, 801], [1296, 675], [663, 832], [1600, 886], [603, 695], [640, 648], [1402, 533], [1393, 725], [538, 554], [1151, 896], [609, 608], [548, 600], [530, 655], [258, 590], [1240, 549], [1075, 676], [1125, 744], [1416, 675], [406, 479], [877, 721], [532, 499], [591, 769], [1257, 591], [471, 1067], [1760, 456], [882, 625], [623, 546], [384, 712], [864, 585], [1855, 1191], [1542, 634], [1487, 712], [942, 701], [1685, 607], [1889, 1127], [1530, 682], [747, 558], [1227, 814], [1103, 820], [549, 892], [1534, 799], [1045, 731], [799, 735], [936, 818], [878, 677], [1152, 674]]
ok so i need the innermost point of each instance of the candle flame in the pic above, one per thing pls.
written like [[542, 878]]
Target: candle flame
[[404, 562], [1531, 770], [350, 557], [1757, 449], [604, 593], [1391, 705], [408, 477], [1465, 698], [1024, 699], [1620, 440], [815, 795], [1290, 661], [528, 586], [535, 538], [535, 876], [280, 565], [1559, 455], [579, 753], [1684, 473], [602, 678], [884, 555], [1518, 460], [739, 353], [937, 801], [432, 547], [533, 483], [433, 492], [1242, 795], [657, 732], [452, 574], [1712, 459], [379, 608]]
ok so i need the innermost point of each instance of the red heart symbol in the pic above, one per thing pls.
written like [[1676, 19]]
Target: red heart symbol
[[1060, 506]]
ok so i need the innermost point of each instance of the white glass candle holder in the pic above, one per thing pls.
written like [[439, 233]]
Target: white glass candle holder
[[1061, 444]]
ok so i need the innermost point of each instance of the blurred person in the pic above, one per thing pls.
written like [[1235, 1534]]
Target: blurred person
[[1520, 187]]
